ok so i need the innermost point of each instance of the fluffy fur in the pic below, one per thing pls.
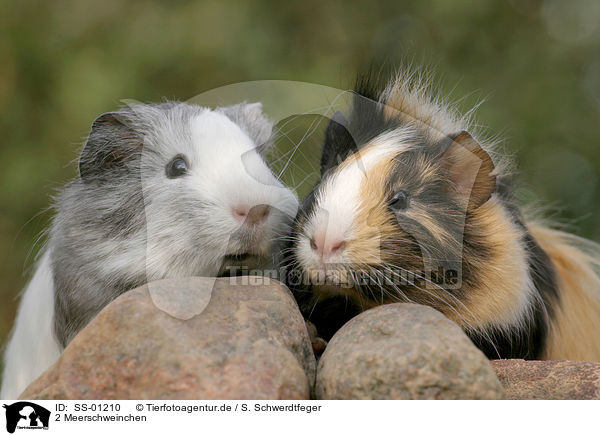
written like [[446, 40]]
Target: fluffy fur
[[460, 243], [124, 222]]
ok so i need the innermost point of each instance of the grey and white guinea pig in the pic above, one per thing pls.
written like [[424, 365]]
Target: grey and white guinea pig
[[412, 208], [164, 190]]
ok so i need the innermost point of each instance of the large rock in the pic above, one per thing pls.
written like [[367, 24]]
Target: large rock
[[227, 341], [549, 379], [404, 351]]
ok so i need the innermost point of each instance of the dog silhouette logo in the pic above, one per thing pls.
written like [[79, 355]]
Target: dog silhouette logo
[[26, 415]]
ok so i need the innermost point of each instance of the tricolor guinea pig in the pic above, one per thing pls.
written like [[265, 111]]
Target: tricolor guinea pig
[[164, 190], [413, 206]]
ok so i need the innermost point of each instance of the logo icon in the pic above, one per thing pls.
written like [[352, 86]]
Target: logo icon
[[26, 415]]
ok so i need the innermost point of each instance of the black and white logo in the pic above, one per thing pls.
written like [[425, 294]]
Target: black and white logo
[[26, 415]]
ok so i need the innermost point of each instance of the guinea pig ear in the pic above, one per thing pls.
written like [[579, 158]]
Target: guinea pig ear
[[338, 144], [110, 143], [252, 120], [470, 169]]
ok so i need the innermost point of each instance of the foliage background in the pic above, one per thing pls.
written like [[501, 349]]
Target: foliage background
[[62, 63]]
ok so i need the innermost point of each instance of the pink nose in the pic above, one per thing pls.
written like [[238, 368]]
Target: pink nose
[[251, 216], [325, 247]]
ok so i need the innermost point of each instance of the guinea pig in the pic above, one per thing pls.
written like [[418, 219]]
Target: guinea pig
[[164, 190], [413, 206]]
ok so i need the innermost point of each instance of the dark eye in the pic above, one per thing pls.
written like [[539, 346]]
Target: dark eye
[[177, 168], [399, 201]]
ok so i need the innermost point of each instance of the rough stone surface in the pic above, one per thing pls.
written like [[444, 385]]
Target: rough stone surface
[[404, 351], [549, 379], [248, 342]]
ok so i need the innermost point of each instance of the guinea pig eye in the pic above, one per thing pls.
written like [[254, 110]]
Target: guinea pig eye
[[177, 168], [399, 201]]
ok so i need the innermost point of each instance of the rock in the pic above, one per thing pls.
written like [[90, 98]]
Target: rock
[[404, 351], [246, 342], [549, 379]]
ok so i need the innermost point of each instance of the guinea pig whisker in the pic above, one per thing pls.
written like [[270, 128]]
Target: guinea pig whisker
[[304, 180], [295, 149], [435, 296], [313, 308], [446, 303], [285, 238], [311, 129], [384, 291], [396, 287]]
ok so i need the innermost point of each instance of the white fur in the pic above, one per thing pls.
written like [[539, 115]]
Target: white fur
[[338, 200], [32, 347], [189, 227], [229, 170], [226, 171]]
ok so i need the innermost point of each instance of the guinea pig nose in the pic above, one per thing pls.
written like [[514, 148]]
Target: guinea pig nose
[[326, 248], [252, 216]]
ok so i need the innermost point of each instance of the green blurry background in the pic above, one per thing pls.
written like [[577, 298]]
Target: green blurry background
[[537, 64]]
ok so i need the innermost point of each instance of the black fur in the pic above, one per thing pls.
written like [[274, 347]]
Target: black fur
[[367, 120], [339, 144], [342, 139], [110, 144], [530, 343], [328, 315]]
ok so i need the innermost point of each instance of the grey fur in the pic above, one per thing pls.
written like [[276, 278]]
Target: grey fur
[[251, 120], [99, 239]]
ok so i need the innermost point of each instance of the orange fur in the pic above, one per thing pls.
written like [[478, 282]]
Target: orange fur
[[503, 294], [498, 297], [575, 327], [373, 220]]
